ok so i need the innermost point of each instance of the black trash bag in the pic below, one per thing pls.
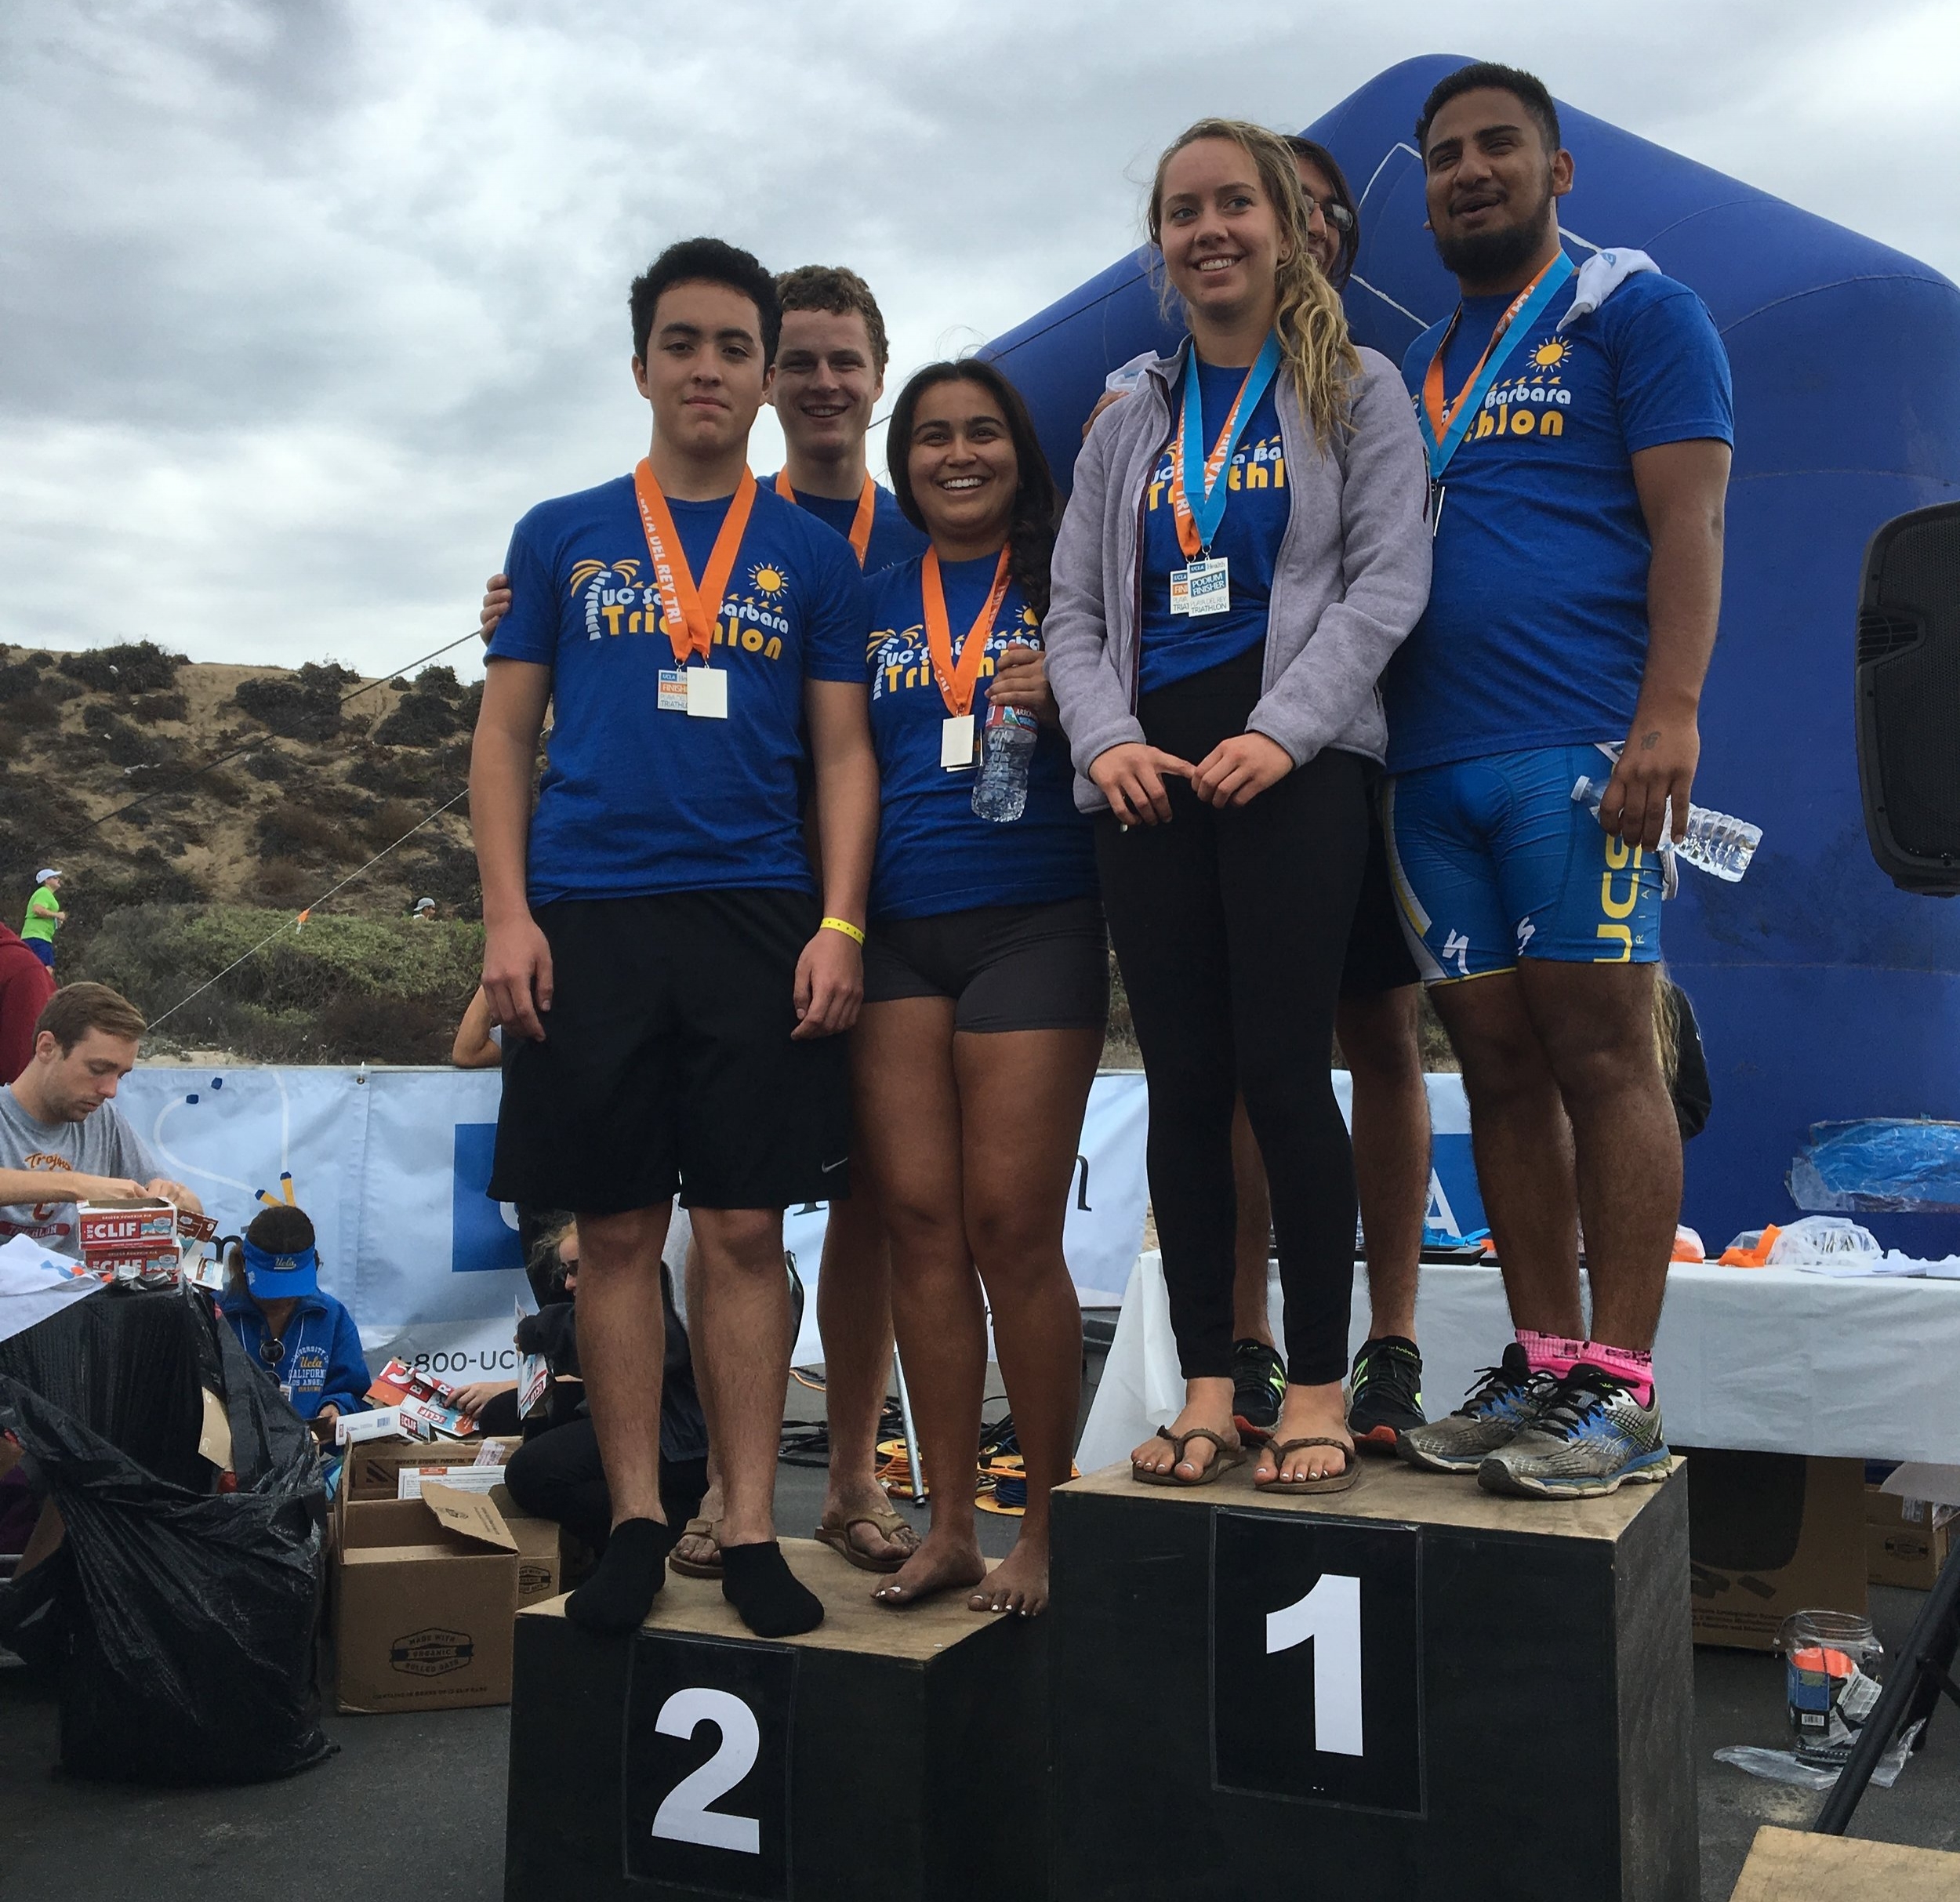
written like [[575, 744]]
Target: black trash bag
[[181, 1622]]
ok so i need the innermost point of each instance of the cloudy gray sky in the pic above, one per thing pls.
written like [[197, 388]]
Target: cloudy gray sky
[[303, 301]]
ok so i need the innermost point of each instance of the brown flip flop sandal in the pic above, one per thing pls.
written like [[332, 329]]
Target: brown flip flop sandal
[[1331, 1482], [709, 1528], [889, 1523], [1227, 1457]]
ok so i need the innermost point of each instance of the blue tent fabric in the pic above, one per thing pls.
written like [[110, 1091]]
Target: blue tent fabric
[[1824, 993]]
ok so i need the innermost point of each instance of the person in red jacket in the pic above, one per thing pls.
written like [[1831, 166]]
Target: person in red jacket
[[26, 984]]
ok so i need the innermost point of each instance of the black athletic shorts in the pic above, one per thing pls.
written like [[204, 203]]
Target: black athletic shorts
[[1378, 958], [1006, 966], [667, 1062]]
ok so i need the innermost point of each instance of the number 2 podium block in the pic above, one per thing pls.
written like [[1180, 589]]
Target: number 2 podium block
[[1411, 1691], [894, 1755]]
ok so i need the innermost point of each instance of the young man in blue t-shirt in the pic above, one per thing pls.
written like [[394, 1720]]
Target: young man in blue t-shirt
[[829, 373], [1578, 426], [669, 987]]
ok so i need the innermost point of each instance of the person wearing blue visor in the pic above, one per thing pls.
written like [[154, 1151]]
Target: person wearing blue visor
[[304, 1338]]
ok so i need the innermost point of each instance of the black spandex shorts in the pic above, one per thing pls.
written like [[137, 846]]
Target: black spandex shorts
[[1378, 958], [1006, 966], [668, 1064]]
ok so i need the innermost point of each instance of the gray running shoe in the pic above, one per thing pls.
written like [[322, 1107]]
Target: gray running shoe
[[1592, 1438], [1506, 1400]]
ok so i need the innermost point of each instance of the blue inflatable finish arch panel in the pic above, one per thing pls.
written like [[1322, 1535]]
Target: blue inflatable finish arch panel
[[1824, 992]]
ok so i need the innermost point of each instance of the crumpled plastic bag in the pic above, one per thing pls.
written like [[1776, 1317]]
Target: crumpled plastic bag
[[1782, 1765], [1823, 1237], [181, 1620], [1879, 1163]]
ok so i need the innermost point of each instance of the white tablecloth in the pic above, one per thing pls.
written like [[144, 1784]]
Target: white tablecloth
[[1761, 1359]]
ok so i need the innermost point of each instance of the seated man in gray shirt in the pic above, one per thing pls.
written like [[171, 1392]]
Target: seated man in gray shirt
[[62, 1140]]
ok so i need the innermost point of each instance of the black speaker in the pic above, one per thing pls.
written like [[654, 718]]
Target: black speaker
[[1908, 696]]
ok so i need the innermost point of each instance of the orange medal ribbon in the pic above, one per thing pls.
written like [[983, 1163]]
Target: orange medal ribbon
[[689, 618], [956, 678], [1435, 411], [860, 522]]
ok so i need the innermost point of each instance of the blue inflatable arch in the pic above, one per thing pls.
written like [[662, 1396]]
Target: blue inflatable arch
[[1824, 992]]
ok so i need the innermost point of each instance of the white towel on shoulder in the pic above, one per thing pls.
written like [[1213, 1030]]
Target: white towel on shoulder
[[1600, 276]]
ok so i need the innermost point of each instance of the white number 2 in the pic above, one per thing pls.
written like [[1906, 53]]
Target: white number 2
[[1330, 1614], [684, 1816]]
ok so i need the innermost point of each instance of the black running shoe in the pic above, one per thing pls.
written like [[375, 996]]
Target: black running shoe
[[1385, 1394], [1258, 1385]]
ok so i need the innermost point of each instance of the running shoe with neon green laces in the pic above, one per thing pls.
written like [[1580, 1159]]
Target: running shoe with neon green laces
[[1592, 1437], [1506, 1400], [1384, 1393], [1258, 1385]]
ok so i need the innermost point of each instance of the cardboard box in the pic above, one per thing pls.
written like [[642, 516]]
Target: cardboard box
[[127, 1227], [426, 1595], [540, 1556], [1897, 1552], [1770, 1533], [373, 1466]]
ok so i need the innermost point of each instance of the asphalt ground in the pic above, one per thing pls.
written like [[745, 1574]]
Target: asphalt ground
[[415, 1804]]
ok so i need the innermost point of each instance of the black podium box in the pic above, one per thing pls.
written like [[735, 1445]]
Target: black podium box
[[1411, 1691], [888, 1755]]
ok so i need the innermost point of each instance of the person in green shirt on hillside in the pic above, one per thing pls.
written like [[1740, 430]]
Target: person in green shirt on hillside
[[45, 915]]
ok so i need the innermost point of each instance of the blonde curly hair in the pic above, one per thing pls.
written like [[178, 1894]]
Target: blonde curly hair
[[1312, 328]]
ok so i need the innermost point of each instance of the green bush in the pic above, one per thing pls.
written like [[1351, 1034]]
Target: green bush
[[341, 990], [294, 710], [18, 680], [131, 666], [420, 720]]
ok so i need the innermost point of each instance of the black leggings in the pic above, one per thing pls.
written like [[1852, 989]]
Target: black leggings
[[1231, 928]]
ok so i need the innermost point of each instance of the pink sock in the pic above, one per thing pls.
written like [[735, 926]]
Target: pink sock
[[1623, 1363], [1549, 1353]]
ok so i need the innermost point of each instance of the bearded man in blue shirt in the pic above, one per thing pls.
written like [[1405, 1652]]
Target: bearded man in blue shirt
[[1578, 422]]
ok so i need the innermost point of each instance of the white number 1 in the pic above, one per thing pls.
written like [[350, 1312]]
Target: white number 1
[[1330, 1614], [684, 1816]]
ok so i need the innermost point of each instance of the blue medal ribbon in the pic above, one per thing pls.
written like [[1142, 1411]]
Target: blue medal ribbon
[[1206, 508]]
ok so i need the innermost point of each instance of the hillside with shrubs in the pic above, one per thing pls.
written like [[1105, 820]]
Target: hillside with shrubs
[[195, 809]]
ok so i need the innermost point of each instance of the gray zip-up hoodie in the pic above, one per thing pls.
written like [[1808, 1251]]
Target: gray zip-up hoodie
[[1351, 578]]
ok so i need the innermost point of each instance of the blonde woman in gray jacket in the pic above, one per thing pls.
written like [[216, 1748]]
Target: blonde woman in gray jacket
[[1245, 547]]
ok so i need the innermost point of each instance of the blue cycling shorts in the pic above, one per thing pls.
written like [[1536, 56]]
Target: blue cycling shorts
[[1494, 860]]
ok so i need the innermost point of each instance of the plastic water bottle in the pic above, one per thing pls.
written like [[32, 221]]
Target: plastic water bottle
[[1006, 751], [1716, 843]]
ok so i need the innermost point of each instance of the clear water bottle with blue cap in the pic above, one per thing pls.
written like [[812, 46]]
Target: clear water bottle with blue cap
[[1716, 843], [1006, 752]]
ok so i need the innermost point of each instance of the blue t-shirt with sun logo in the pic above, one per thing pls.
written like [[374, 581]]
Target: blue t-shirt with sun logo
[[1177, 646], [935, 854], [634, 800], [1535, 632], [893, 538]]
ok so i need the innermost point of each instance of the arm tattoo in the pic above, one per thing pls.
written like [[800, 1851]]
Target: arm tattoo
[[1649, 741]]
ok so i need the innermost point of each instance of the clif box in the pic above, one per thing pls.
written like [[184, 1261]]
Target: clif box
[[135, 1264], [123, 1228]]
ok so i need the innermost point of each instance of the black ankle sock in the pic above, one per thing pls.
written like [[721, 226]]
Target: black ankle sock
[[773, 1603], [620, 1592]]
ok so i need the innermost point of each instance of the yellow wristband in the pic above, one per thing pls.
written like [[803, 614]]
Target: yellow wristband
[[844, 925]]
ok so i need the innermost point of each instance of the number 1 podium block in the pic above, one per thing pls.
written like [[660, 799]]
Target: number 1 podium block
[[886, 1753], [1414, 1691]]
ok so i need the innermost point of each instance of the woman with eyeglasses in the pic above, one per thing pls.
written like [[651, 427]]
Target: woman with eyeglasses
[[1244, 548]]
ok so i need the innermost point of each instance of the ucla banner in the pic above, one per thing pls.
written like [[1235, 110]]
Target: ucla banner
[[393, 1166]]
